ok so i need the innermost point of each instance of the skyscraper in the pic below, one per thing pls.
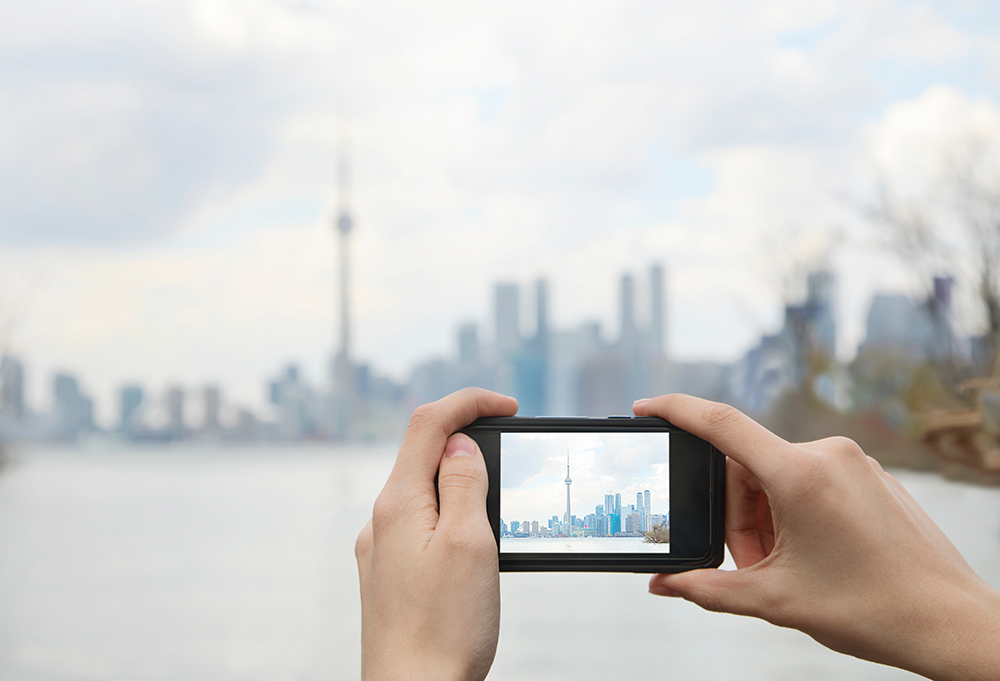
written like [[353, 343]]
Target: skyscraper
[[507, 316], [130, 399], [618, 504], [657, 325], [175, 412], [468, 345], [628, 326], [11, 388], [213, 403], [74, 411]]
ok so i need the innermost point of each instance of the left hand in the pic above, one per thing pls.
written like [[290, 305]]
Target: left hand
[[430, 581]]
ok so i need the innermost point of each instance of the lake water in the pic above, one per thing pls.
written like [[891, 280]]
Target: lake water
[[203, 563], [580, 545]]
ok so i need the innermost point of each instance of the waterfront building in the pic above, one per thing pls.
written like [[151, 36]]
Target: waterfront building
[[12, 389], [130, 398]]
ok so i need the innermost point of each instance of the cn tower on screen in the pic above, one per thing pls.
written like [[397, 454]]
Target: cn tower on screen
[[569, 516]]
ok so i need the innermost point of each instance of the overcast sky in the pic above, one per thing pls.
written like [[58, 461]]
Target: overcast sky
[[168, 169], [533, 472]]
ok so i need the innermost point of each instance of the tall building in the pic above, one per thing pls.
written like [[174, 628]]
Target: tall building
[[212, 405], [645, 501], [74, 411], [507, 319], [657, 319], [541, 312], [629, 330], [130, 400], [618, 504], [11, 389], [175, 412], [468, 344], [295, 405]]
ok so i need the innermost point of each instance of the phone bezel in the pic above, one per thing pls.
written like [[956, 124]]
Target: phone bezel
[[697, 497]]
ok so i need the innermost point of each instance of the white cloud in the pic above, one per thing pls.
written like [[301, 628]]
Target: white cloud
[[502, 142]]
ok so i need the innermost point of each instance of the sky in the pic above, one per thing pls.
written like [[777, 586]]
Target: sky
[[168, 170], [533, 472]]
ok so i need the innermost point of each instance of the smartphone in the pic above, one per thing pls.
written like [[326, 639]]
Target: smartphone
[[616, 494]]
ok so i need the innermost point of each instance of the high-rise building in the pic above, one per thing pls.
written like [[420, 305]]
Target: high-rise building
[[74, 411], [11, 389], [645, 501], [609, 502], [541, 311], [213, 404], [657, 323], [468, 345], [618, 503], [628, 336], [507, 319], [534, 528], [130, 400], [175, 412]]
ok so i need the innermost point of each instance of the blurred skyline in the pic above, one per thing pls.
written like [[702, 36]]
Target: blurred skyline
[[168, 171]]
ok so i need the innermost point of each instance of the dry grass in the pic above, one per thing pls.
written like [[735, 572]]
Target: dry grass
[[660, 534]]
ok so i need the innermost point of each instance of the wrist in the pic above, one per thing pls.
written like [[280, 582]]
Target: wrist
[[402, 664], [960, 639]]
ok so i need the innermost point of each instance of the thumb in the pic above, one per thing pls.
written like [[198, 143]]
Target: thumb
[[732, 591], [462, 480]]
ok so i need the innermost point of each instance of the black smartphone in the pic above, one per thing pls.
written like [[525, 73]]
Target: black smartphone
[[616, 494]]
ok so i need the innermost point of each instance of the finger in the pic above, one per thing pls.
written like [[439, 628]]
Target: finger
[[462, 484], [732, 432], [432, 424], [746, 529], [736, 591]]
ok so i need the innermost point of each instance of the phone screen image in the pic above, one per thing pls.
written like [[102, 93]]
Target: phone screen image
[[584, 492]]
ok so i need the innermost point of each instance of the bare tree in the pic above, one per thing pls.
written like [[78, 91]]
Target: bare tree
[[953, 227], [973, 183]]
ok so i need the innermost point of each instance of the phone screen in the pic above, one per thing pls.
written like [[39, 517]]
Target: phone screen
[[585, 492]]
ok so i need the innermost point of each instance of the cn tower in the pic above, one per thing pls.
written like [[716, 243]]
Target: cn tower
[[343, 389], [569, 515]]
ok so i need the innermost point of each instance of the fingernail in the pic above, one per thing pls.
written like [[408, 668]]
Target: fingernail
[[661, 590], [459, 445], [639, 403]]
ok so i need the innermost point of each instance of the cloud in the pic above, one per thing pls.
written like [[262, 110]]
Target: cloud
[[484, 146]]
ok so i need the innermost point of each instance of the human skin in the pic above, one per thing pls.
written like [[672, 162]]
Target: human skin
[[429, 576], [825, 541]]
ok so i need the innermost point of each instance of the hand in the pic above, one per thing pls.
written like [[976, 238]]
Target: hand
[[430, 581], [827, 542]]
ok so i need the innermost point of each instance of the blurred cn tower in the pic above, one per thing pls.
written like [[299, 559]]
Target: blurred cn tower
[[342, 393]]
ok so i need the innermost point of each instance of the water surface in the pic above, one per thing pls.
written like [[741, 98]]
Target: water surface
[[213, 563]]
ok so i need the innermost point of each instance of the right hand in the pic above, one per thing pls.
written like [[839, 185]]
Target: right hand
[[827, 542]]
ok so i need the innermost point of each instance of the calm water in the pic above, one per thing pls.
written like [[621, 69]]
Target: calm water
[[200, 563], [580, 545]]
